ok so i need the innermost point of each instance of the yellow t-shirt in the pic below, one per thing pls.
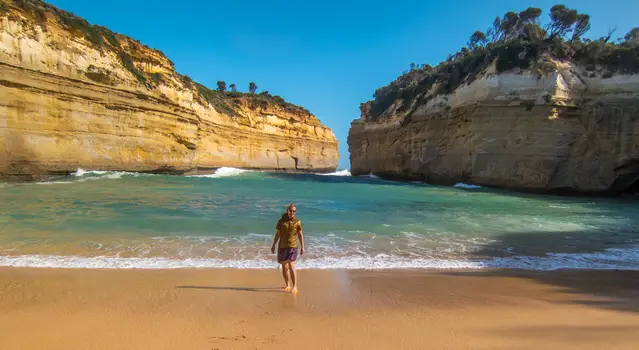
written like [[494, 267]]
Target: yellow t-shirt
[[288, 231]]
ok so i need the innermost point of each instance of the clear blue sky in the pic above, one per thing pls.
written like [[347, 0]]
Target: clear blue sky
[[328, 56]]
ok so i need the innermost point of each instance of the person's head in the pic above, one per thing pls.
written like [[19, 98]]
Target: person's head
[[291, 210]]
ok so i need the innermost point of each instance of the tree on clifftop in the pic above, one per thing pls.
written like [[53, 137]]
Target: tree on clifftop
[[516, 40], [632, 37], [477, 39], [582, 25], [221, 86], [561, 20], [530, 15], [252, 87], [233, 87]]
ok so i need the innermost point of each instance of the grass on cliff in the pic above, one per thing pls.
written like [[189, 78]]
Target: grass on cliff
[[228, 101], [102, 38], [516, 40], [40, 12]]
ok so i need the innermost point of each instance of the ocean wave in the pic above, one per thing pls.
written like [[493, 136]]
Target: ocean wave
[[81, 175], [617, 258], [224, 172], [467, 186], [106, 173], [54, 182], [344, 172]]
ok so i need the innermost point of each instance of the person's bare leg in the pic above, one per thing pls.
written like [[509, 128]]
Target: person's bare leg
[[293, 276], [285, 273]]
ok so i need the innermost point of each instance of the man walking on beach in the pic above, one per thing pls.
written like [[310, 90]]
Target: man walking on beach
[[289, 228]]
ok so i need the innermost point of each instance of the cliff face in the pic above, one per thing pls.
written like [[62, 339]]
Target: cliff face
[[570, 130], [74, 95]]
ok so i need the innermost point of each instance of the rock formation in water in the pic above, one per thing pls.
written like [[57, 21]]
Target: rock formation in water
[[75, 95], [526, 110]]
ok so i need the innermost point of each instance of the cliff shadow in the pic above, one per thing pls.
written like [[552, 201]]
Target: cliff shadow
[[361, 179], [19, 162], [631, 192], [593, 267]]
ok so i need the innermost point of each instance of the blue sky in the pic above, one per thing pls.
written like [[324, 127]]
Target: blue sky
[[328, 56]]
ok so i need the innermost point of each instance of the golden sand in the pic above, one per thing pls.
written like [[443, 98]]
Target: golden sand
[[337, 309]]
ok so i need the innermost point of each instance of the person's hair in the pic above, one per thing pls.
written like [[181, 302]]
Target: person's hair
[[289, 206]]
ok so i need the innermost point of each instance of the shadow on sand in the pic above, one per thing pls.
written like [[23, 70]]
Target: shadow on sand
[[237, 289], [613, 289]]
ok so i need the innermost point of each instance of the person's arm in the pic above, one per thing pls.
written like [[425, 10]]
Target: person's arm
[[300, 234], [275, 239]]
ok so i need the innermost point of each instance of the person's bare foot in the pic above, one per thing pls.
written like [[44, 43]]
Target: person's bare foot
[[287, 289], [294, 290]]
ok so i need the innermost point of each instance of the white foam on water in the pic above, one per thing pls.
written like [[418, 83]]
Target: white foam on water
[[557, 206], [104, 174], [344, 172], [81, 172], [617, 258], [610, 259], [54, 182], [82, 175], [467, 186], [224, 172]]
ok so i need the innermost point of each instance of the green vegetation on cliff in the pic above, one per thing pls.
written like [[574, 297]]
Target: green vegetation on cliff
[[131, 54], [516, 40]]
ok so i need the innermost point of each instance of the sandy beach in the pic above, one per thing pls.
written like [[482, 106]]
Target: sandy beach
[[335, 309]]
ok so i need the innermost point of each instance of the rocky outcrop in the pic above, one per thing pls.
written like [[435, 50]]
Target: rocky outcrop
[[74, 95], [570, 130]]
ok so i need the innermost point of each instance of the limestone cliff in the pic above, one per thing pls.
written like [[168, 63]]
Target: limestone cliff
[[74, 95], [572, 128]]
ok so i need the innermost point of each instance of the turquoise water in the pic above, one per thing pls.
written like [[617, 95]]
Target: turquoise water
[[126, 220]]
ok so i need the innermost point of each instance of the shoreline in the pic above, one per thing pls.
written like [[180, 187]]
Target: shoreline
[[39, 177], [17, 179], [612, 259], [49, 308], [506, 271]]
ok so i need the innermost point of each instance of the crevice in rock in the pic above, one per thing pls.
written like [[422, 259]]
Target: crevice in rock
[[189, 145], [296, 161]]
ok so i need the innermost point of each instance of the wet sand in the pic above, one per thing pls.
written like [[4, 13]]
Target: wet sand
[[335, 309]]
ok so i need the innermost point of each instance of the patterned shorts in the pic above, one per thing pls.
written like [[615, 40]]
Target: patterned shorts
[[284, 254]]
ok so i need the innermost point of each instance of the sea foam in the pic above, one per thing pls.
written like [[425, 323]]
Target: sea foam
[[467, 186], [344, 172], [224, 172], [617, 259]]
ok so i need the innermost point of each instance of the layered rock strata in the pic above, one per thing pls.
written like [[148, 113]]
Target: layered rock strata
[[568, 131], [74, 96]]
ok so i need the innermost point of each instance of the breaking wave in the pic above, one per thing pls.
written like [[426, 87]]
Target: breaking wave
[[344, 172], [224, 172], [467, 186], [617, 258]]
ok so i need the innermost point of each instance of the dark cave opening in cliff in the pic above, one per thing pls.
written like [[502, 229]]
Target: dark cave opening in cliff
[[633, 189], [627, 179], [626, 185]]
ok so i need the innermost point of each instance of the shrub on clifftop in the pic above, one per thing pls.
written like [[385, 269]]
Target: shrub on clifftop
[[134, 57]]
